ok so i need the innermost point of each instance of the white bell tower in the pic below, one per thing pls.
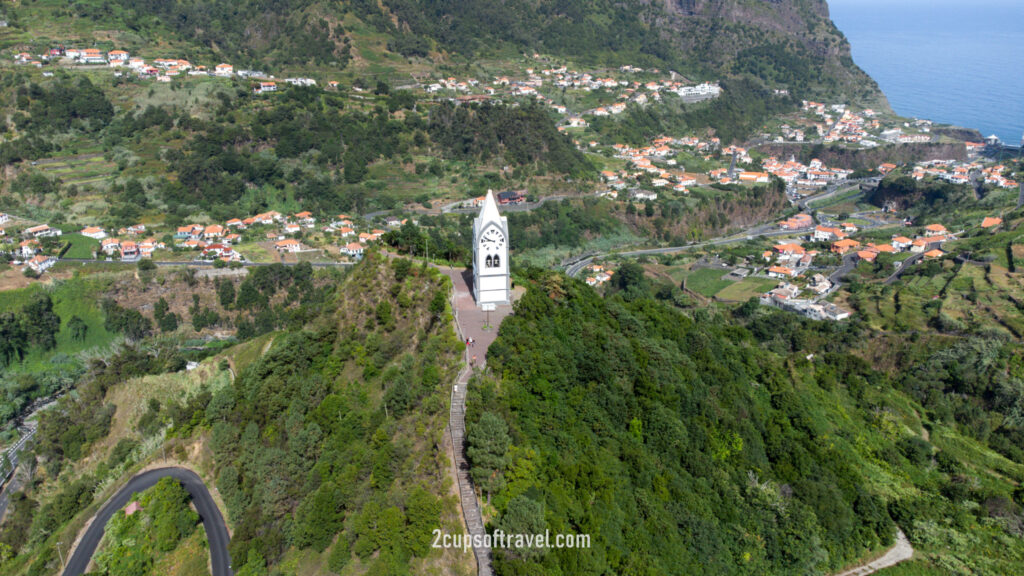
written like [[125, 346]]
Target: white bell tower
[[491, 282]]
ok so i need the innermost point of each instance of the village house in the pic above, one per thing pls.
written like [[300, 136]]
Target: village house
[[798, 222], [4, 218], [150, 245], [345, 232], [288, 245], [868, 255], [934, 230], [291, 228], [130, 251], [306, 219], [110, 246], [224, 70], [919, 245], [781, 272], [40, 263], [643, 195], [94, 232], [845, 245], [235, 223], [511, 197], [901, 243], [264, 87], [213, 231], [133, 230], [819, 284], [990, 222], [353, 249], [789, 249], [933, 254], [42, 231], [28, 248], [222, 251], [827, 234], [189, 232]]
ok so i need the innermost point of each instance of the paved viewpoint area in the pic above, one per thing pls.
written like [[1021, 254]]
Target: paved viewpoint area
[[471, 321]]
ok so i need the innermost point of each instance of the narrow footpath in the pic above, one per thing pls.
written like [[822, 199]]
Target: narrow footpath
[[900, 551], [482, 327]]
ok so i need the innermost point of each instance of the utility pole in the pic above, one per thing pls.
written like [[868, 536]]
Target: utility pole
[[60, 554]]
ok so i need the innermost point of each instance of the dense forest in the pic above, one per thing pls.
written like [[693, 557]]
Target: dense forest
[[703, 443]]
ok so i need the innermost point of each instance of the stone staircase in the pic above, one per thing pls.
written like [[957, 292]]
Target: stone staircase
[[467, 495]]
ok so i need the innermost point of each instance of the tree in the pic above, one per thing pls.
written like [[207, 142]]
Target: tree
[[160, 309], [136, 326], [488, 445], [77, 328], [146, 265], [226, 293], [13, 339], [41, 323], [523, 516], [169, 322], [630, 275]]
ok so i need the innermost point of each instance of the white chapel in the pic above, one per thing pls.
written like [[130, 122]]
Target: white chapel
[[491, 281]]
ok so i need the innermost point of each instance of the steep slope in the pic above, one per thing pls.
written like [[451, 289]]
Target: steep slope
[[716, 446], [325, 442], [789, 44]]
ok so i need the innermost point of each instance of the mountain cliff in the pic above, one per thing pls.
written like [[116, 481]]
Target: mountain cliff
[[788, 44]]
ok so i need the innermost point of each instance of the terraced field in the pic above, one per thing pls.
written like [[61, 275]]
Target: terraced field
[[79, 170]]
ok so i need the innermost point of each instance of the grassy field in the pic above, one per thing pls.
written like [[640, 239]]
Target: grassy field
[[707, 281], [746, 289], [77, 296], [81, 246]]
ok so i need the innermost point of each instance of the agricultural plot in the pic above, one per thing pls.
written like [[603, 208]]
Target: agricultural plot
[[745, 289], [707, 281], [80, 170]]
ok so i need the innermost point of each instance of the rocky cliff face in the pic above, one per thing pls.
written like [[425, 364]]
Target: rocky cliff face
[[792, 43]]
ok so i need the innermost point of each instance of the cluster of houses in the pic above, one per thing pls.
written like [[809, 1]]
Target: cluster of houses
[[806, 176], [956, 172], [627, 90], [994, 175], [642, 162], [504, 198], [599, 274], [29, 248], [786, 297], [162, 69], [790, 260], [838, 123], [929, 244]]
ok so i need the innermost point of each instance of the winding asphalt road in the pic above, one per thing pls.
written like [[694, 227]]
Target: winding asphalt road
[[209, 514]]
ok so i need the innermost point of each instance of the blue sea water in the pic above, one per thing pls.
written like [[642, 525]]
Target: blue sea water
[[951, 62]]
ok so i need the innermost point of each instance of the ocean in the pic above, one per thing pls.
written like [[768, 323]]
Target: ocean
[[951, 62]]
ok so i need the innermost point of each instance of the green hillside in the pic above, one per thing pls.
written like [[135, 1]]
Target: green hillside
[[759, 445]]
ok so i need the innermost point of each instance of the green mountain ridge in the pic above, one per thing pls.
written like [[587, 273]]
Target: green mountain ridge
[[789, 44]]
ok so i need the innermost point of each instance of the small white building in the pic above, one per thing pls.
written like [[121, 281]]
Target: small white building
[[94, 232], [41, 263]]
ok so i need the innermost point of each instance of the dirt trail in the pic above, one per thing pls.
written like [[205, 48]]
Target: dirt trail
[[900, 551]]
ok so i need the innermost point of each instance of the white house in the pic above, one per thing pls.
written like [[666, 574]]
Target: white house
[[41, 263], [94, 232], [288, 245], [42, 231]]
